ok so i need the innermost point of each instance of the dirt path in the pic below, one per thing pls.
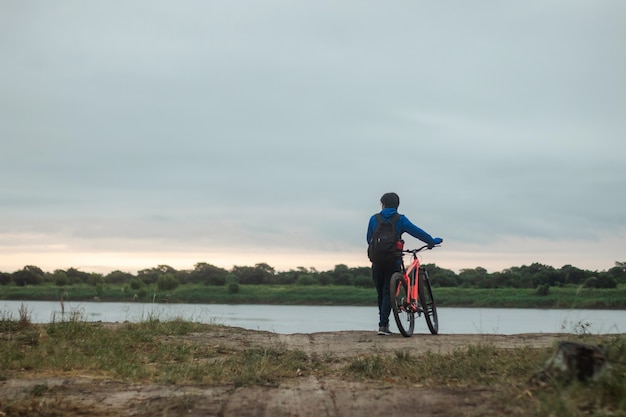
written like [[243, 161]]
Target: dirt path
[[299, 396]]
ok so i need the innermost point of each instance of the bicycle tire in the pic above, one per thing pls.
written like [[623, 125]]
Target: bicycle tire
[[427, 302], [405, 318]]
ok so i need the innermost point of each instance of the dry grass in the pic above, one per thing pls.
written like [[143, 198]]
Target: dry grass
[[164, 353]]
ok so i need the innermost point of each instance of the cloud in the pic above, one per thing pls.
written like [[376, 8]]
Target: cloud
[[212, 125]]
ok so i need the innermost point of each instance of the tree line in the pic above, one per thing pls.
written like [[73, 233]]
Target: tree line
[[165, 277]]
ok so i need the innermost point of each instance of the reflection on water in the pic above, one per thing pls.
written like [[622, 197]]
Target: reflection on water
[[312, 319]]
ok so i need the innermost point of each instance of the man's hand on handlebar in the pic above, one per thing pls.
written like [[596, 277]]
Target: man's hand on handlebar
[[436, 241]]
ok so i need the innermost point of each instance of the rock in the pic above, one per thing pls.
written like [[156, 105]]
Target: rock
[[573, 360]]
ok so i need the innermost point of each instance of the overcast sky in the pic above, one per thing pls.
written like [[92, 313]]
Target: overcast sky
[[139, 133]]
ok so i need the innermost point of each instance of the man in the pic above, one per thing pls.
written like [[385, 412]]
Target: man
[[382, 270]]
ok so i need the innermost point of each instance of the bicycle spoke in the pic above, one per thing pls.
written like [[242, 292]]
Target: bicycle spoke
[[428, 303], [402, 311]]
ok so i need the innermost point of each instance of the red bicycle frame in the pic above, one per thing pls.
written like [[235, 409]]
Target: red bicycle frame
[[410, 276]]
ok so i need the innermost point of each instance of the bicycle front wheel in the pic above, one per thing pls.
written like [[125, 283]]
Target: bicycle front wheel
[[404, 315], [428, 302]]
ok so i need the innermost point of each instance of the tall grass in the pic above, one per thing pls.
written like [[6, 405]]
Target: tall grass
[[8, 323]]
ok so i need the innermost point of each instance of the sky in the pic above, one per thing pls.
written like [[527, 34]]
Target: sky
[[141, 133]]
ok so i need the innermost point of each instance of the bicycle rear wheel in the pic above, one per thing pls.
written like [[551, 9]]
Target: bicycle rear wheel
[[428, 302], [405, 317]]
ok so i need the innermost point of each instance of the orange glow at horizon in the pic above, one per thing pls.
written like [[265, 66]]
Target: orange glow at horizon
[[455, 256]]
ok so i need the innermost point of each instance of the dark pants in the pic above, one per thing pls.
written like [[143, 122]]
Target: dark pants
[[381, 274]]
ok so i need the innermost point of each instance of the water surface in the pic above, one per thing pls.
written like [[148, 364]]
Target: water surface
[[312, 319]]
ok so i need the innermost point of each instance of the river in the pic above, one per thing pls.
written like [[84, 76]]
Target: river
[[312, 319]]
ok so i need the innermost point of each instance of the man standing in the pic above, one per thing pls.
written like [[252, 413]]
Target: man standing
[[384, 267]]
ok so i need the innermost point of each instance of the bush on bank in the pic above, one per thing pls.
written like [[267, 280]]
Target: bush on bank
[[527, 276], [535, 285]]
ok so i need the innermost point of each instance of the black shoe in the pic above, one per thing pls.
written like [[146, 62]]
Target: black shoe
[[384, 331]]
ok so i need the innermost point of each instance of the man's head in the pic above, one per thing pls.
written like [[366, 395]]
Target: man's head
[[390, 200]]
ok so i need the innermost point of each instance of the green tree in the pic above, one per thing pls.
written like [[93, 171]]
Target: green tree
[[572, 275], [5, 278], [77, 277], [618, 272], [591, 282], [150, 276], [259, 274], [341, 275], [476, 277], [361, 270], [510, 278], [29, 275], [307, 279], [606, 281], [441, 277], [118, 277], [167, 282], [288, 277], [265, 267], [543, 274], [363, 281], [136, 284], [324, 278], [208, 274], [536, 274], [60, 278], [95, 279]]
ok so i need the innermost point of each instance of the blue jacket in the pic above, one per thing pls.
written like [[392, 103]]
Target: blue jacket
[[403, 225]]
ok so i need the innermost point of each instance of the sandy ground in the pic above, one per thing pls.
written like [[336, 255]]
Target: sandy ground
[[90, 395]]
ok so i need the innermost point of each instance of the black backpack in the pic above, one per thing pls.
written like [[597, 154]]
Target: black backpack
[[383, 246]]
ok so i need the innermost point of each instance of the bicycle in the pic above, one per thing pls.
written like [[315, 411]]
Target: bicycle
[[412, 294]]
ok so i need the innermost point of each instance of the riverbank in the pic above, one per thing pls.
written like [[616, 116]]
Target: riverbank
[[569, 297], [180, 368]]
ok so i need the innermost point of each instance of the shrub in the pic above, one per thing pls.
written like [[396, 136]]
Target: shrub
[[142, 292], [136, 283], [29, 275], [167, 282], [118, 277], [60, 278], [5, 278], [591, 283], [363, 281], [543, 289], [306, 279], [602, 281]]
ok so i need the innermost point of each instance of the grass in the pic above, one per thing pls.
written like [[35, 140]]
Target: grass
[[557, 297], [509, 371], [146, 351], [170, 352], [474, 365]]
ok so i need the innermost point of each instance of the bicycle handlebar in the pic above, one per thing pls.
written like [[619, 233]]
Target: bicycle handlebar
[[425, 247]]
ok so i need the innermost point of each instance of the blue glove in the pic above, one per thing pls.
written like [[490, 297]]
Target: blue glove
[[437, 241]]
